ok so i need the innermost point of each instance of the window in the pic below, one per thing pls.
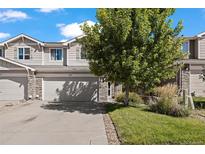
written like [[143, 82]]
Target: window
[[1, 53], [83, 53], [80, 53], [27, 53], [56, 54], [185, 47], [23, 53]]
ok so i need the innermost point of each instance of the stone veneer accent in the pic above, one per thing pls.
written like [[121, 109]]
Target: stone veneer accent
[[31, 86], [39, 82], [34, 86], [103, 87]]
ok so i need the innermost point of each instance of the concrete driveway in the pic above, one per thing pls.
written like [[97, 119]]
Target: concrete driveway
[[53, 123]]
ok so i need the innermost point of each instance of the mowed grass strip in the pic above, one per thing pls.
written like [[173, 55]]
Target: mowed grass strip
[[136, 125]]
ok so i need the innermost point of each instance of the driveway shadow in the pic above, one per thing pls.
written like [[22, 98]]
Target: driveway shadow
[[82, 107]]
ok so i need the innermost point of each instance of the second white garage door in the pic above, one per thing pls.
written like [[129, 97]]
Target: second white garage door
[[71, 89]]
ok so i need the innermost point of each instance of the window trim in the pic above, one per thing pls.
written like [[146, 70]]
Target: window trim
[[23, 52], [50, 54], [2, 50], [188, 46]]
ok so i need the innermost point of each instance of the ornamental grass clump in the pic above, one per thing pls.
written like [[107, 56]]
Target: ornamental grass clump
[[167, 102], [168, 90]]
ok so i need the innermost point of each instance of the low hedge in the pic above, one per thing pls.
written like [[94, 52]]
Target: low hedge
[[199, 102]]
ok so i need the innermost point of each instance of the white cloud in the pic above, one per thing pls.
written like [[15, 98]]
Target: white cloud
[[12, 15], [48, 10], [73, 29], [4, 35], [60, 25]]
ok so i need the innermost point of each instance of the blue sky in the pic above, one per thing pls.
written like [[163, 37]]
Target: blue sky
[[62, 24]]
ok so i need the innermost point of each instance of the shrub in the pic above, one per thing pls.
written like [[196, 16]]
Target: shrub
[[199, 102], [120, 97], [133, 98], [169, 106], [168, 90]]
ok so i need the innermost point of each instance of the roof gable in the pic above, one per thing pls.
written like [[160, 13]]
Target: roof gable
[[201, 34], [22, 36], [73, 39]]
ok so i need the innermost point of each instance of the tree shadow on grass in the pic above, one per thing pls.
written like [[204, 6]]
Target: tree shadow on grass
[[110, 107]]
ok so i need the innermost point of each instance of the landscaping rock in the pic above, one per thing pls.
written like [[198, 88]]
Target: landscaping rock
[[110, 130]]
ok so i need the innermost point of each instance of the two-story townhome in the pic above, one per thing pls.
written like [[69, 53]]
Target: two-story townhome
[[51, 71], [190, 76]]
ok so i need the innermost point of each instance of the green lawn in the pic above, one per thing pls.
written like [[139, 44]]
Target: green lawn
[[136, 125]]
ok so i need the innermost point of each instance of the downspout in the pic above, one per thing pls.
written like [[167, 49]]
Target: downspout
[[179, 80], [27, 70], [189, 89]]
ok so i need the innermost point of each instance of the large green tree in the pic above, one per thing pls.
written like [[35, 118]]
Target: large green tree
[[135, 47]]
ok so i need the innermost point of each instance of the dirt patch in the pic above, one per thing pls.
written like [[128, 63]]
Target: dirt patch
[[199, 114]]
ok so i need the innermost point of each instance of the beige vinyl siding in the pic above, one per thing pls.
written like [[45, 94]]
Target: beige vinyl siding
[[197, 67], [11, 52], [197, 85], [202, 49], [74, 58], [47, 58]]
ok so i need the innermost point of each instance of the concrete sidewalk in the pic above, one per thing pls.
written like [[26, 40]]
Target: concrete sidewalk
[[61, 123]]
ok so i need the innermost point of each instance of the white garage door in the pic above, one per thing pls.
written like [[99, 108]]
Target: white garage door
[[71, 89], [197, 85], [13, 88]]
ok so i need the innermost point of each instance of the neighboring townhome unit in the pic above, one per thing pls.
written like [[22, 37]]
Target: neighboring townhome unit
[[51, 71], [191, 75]]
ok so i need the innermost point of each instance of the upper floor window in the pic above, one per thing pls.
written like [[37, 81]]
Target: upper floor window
[[185, 46], [1, 53], [24, 53], [81, 54], [56, 54]]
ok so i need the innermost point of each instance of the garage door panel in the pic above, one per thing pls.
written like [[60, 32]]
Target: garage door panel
[[13, 88], [71, 89]]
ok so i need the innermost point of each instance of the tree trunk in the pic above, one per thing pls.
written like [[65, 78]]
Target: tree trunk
[[126, 101]]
